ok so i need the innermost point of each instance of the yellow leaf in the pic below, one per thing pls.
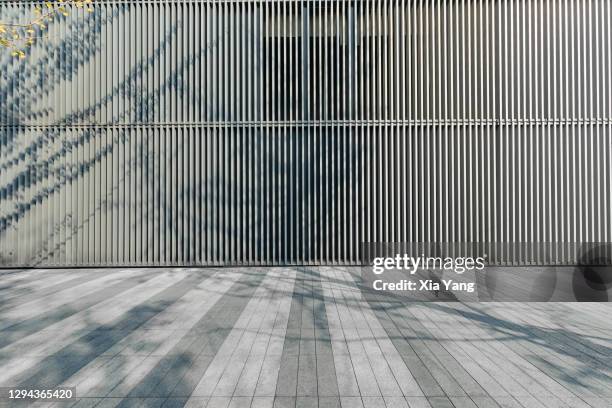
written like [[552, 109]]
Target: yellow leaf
[[49, 4]]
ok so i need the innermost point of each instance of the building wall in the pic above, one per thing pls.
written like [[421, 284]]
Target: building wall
[[290, 132]]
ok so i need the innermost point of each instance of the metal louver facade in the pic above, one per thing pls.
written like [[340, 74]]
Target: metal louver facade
[[289, 132]]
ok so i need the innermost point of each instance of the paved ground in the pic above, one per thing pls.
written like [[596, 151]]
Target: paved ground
[[280, 338]]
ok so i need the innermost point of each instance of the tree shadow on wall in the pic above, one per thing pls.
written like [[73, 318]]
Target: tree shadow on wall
[[39, 162]]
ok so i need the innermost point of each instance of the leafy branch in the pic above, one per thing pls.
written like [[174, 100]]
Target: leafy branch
[[18, 37]]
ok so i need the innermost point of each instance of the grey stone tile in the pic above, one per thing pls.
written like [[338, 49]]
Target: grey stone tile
[[262, 402], [110, 402], [306, 402], [488, 402], [440, 402], [86, 403], [329, 402], [599, 402], [307, 375], [508, 402], [326, 374], [284, 402], [395, 402], [351, 402], [463, 402], [287, 376], [175, 402], [453, 352], [59, 366], [196, 402], [240, 402], [218, 402], [418, 402], [375, 402]]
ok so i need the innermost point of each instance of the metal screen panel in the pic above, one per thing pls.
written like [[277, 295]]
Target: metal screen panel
[[289, 132]]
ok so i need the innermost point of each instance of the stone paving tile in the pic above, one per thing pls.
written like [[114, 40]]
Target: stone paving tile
[[302, 337]]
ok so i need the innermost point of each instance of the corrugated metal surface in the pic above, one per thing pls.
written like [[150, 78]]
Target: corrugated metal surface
[[277, 132]]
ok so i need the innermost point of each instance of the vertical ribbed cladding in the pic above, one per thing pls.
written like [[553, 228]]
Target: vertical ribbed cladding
[[289, 132]]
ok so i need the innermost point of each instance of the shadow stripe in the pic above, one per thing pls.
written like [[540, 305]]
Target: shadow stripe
[[287, 379], [179, 372], [327, 381], [24, 328], [383, 307], [307, 365], [23, 293], [60, 366], [419, 370]]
